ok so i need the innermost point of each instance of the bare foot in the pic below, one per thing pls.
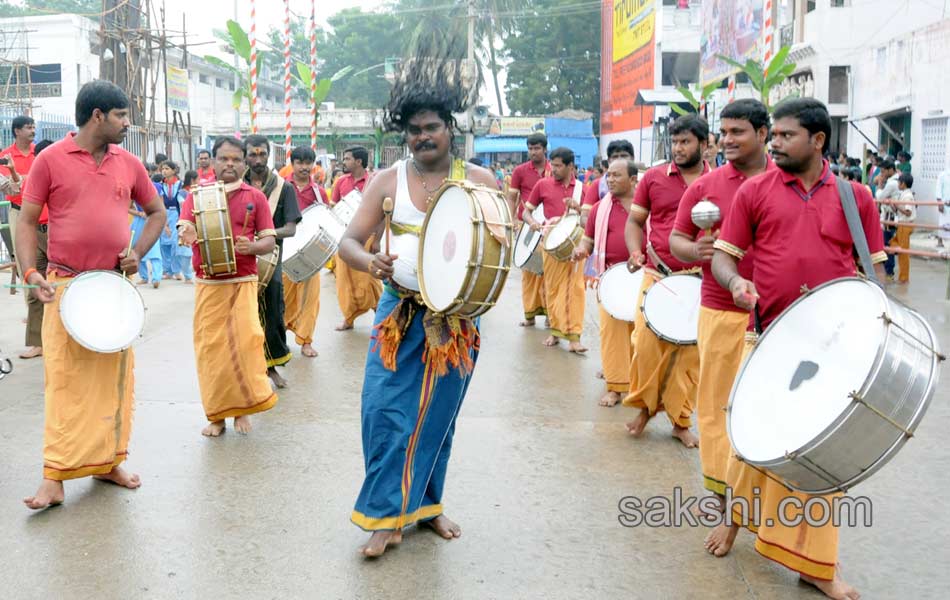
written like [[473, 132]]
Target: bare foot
[[155, 284], [550, 341], [576, 348], [445, 527], [527, 323], [379, 541], [50, 494], [307, 350], [686, 436], [279, 381], [242, 424], [31, 352], [344, 326], [610, 399], [120, 477], [636, 426], [836, 588], [599, 374], [142, 282], [702, 510], [720, 540], [214, 429]]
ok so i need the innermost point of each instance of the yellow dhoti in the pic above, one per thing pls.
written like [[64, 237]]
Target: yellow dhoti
[[356, 291], [532, 294], [662, 375], [616, 351], [564, 295], [229, 350], [721, 340], [88, 402], [804, 548], [301, 307]]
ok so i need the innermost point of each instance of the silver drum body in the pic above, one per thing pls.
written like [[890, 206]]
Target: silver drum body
[[318, 236], [834, 387]]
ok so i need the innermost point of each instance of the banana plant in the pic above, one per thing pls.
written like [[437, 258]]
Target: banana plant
[[764, 80], [304, 79], [690, 96], [236, 38]]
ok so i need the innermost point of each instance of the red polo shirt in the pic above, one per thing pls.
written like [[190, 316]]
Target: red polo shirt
[[346, 184], [592, 193], [88, 203], [719, 187], [616, 250], [22, 163], [801, 237], [206, 176], [658, 194], [307, 195], [551, 193], [260, 224], [524, 177]]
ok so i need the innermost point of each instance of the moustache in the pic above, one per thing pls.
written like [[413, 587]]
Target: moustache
[[425, 146]]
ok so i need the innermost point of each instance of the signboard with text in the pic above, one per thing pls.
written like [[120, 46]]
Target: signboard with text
[[177, 89], [627, 63]]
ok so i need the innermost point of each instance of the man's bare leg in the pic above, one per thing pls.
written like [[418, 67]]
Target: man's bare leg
[[576, 347], [214, 429], [279, 381], [551, 341], [379, 541], [242, 424], [121, 477], [32, 352], [307, 350], [445, 527], [686, 436], [837, 588], [344, 326], [610, 399], [527, 322], [636, 426], [720, 540], [50, 494]]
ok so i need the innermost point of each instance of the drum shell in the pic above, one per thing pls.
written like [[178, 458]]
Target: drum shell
[[565, 249], [313, 255], [267, 266], [859, 442], [535, 262], [653, 326], [213, 225]]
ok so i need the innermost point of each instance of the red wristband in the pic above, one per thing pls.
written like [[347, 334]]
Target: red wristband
[[26, 276]]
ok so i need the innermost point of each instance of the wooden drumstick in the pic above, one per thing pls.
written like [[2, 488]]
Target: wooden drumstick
[[388, 217], [247, 215], [129, 250]]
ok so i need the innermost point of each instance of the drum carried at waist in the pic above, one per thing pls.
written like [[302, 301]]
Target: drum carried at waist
[[318, 236], [267, 266], [564, 236], [671, 308], [618, 291], [346, 208], [527, 254], [834, 387], [102, 311], [213, 226], [465, 249]]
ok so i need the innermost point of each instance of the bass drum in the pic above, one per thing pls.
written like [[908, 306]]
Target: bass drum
[[527, 254], [671, 308], [102, 311], [618, 292], [566, 234], [316, 241]]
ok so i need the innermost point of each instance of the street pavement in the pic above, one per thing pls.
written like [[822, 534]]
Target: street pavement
[[537, 472]]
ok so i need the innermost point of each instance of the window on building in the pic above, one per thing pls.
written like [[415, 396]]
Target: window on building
[[680, 68], [231, 85], [810, 5], [933, 147], [44, 81], [218, 82], [839, 3], [838, 83], [202, 78]]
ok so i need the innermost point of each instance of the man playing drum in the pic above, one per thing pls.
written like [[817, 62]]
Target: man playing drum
[[356, 291], [86, 181], [420, 363], [286, 214], [302, 300], [523, 179], [794, 218], [604, 236], [229, 339], [663, 374], [722, 325], [563, 280]]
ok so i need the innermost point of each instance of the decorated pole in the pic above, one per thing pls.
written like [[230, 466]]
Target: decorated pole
[[732, 88], [768, 36], [313, 75], [288, 139], [253, 38]]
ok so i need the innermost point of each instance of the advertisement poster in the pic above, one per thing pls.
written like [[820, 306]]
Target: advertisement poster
[[177, 89], [731, 28], [627, 63]]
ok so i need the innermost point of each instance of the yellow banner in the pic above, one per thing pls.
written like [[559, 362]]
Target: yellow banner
[[633, 26]]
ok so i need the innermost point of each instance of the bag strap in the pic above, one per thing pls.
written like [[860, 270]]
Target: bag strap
[[850, 207]]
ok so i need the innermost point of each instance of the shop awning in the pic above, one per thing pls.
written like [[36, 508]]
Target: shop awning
[[500, 144]]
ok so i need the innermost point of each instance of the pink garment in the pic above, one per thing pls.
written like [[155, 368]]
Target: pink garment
[[600, 234]]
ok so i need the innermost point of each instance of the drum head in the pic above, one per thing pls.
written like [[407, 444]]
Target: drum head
[[671, 308], [618, 292], [561, 231], [446, 247], [796, 381], [527, 243], [102, 311]]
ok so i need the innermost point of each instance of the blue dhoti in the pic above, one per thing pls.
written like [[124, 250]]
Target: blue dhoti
[[408, 420]]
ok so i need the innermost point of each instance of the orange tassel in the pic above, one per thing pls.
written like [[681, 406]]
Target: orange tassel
[[387, 336]]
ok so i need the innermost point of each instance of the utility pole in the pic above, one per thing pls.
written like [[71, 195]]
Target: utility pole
[[469, 114]]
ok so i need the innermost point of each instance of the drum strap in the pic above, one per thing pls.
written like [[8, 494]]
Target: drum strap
[[850, 207], [660, 265], [274, 197]]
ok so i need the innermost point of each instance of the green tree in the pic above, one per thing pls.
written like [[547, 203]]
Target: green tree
[[554, 60], [237, 39], [762, 80]]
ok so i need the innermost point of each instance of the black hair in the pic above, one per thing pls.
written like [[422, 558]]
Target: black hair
[[632, 169], [855, 173], [160, 158], [42, 145], [150, 166], [811, 114], [190, 177], [835, 168], [476, 161], [101, 94], [170, 164], [565, 154], [157, 178], [907, 179], [538, 139], [619, 146], [691, 123], [903, 156], [21, 121], [887, 164], [747, 109], [258, 141], [361, 154], [208, 152], [231, 141], [303, 154]]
